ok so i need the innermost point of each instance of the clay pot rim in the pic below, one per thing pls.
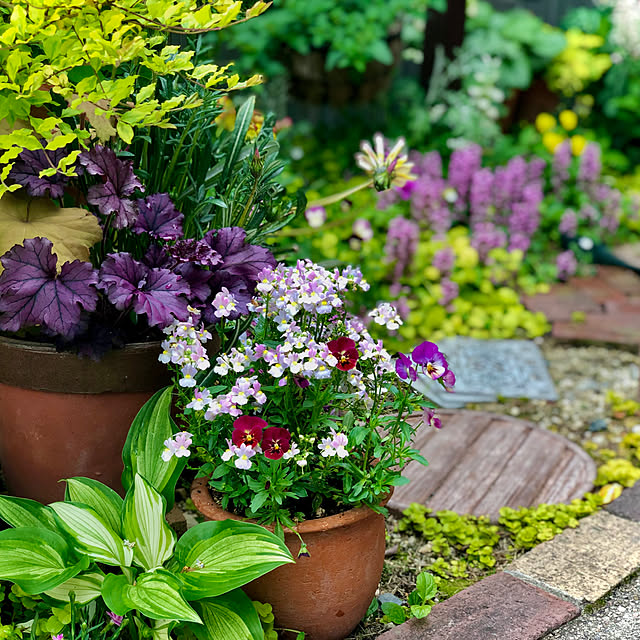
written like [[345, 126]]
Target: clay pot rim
[[201, 497], [39, 366]]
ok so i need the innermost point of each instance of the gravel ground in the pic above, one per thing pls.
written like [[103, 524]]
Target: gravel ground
[[582, 375], [618, 618]]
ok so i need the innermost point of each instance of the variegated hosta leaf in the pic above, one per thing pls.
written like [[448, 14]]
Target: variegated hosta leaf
[[144, 525], [22, 512], [219, 623], [142, 452], [85, 588], [92, 534], [216, 557], [36, 559], [161, 628], [157, 596], [73, 231], [102, 499]]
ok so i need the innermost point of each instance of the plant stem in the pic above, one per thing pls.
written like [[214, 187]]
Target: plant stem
[[336, 197]]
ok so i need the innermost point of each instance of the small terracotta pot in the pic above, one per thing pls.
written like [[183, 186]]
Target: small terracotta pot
[[63, 416], [326, 594]]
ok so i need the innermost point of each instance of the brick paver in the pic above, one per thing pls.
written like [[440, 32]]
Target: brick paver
[[584, 564], [499, 607]]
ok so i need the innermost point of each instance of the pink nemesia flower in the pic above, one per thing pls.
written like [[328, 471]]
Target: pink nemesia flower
[[244, 455]]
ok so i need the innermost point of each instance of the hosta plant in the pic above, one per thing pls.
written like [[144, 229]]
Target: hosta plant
[[120, 553]]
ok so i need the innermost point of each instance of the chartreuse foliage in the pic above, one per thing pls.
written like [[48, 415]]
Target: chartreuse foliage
[[465, 544], [73, 70], [61, 552]]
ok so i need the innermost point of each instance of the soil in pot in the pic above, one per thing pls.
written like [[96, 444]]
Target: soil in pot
[[326, 594]]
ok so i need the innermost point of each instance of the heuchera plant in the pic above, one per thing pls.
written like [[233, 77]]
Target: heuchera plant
[[307, 415], [143, 273]]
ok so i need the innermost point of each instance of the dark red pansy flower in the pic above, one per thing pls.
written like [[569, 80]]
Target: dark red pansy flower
[[276, 442], [247, 430], [344, 349]]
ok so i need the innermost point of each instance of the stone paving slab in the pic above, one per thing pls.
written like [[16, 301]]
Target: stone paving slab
[[627, 505], [499, 607], [584, 564], [610, 302], [517, 370]]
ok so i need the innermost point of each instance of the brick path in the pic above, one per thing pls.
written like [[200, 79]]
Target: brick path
[[610, 302], [545, 588]]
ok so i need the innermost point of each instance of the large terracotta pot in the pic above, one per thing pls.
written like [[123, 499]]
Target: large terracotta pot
[[326, 594], [63, 416]]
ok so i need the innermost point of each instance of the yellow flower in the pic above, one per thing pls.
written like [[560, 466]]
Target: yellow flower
[[227, 119], [545, 122], [568, 120], [578, 143], [388, 170], [551, 140]]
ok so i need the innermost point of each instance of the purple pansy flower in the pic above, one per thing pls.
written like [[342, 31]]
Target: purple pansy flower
[[448, 380], [433, 362], [431, 419], [405, 369]]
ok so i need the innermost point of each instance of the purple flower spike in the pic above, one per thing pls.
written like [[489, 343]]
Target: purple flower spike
[[159, 217], [434, 364], [130, 284], [405, 369]]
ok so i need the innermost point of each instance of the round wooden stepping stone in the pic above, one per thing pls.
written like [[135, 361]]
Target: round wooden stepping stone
[[480, 462]]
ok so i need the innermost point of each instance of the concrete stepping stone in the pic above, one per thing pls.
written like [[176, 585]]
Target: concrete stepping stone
[[610, 302], [480, 462], [486, 369], [583, 564], [627, 505], [500, 607]]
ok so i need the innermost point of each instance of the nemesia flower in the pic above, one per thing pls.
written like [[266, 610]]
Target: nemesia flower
[[362, 229], [247, 430], [276, 442], [388, 170], [344, 350], [177, 446], [405, 368], [201, 398], [244, 455], [188, 373], [334, 445], [385, 314], [117, 620], [60, 636], [294, 450], [316, 217], [433, 362], [229, 452], [224, 304]]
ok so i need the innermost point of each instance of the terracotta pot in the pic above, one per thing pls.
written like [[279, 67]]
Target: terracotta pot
[[327, 594], [64, 416], [311, 82]]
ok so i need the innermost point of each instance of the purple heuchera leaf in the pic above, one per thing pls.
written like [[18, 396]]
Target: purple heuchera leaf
[[33, 293], [158, 257], [198, 251], [112, 196], [158, 293], [198, 280], [27, 168], [158, 217], [239, 258]]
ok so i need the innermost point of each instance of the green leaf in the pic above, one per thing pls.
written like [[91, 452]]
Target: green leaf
[[219, 622], [36, 559], [86, 587], [420, 610], [145, 525], [142, 452], [115, 593], [102, 499], [243, 120], [400, 481], [238, 602], [92, 534], [157, 596], [22, 512], [394, 612], [426, 586], [222, 556]]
